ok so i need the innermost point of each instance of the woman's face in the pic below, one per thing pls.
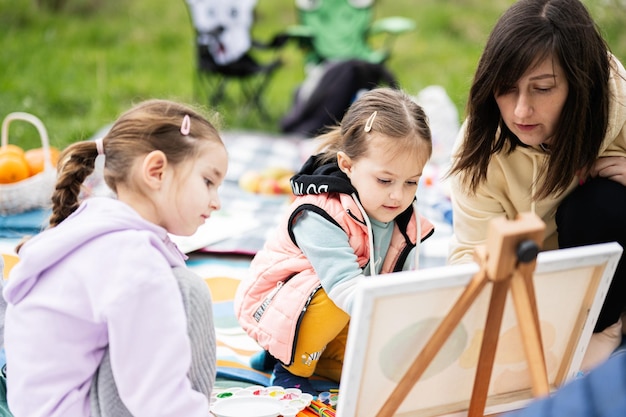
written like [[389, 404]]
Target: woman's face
[[532, 107]]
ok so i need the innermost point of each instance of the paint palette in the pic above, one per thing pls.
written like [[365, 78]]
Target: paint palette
[[247, 407], [259, 401]]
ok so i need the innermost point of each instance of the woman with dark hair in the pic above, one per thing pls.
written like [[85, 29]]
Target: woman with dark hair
[[545, 133]]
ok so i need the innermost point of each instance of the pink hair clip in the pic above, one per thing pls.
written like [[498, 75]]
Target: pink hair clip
[[185, 127]]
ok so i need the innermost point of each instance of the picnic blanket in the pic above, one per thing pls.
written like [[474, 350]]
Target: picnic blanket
[[245, 219], [22, 224]]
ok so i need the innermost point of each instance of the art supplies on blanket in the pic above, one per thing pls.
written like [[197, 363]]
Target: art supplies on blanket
[[259, 401], [273, 401]]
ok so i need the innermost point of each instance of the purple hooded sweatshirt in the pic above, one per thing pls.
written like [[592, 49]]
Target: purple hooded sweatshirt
[[103, 277]]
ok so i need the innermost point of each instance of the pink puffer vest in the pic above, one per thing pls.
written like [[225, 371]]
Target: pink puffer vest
[[270, 303]]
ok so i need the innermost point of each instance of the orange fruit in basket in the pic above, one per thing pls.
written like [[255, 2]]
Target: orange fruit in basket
[[11, 148], [13, 167], [35, 158]]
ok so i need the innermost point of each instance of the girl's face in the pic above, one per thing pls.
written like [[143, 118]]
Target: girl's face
[[191, 195], [532, 107], [386, 181]]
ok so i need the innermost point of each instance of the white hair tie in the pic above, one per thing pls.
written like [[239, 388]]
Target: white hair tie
[[100, 146]]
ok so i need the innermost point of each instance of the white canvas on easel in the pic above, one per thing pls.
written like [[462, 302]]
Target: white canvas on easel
[[395, 315]]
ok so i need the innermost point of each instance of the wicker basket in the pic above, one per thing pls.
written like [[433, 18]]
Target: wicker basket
[[33, 192]]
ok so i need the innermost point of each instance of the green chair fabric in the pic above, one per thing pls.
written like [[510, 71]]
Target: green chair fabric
[[342, 29]]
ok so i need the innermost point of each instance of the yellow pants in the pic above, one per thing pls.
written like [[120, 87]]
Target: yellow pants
[[321, 341]]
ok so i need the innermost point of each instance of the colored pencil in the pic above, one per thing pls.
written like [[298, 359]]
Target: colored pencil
[[307, 412], [322, 409]]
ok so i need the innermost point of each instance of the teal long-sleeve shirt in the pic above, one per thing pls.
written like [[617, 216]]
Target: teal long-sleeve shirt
[[327, 248]]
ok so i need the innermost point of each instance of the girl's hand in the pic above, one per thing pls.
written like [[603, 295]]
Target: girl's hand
[[611, 167]]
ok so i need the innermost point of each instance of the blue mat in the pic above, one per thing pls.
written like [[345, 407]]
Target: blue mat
[[15, 226]]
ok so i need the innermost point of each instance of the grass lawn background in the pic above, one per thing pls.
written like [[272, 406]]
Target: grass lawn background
[[79, 67]]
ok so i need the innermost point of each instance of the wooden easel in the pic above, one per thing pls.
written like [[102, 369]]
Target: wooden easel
[[508, 261]]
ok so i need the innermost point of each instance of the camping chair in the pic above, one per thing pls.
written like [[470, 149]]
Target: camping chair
[[224, 52], [340, 62], [329, 90], [343, 29]]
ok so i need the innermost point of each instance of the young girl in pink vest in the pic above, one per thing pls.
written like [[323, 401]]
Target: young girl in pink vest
[[353, 218]]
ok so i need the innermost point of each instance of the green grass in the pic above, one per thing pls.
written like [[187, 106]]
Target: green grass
[[77, 69]]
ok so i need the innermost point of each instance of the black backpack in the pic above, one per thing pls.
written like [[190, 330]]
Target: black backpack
[[324, 97]]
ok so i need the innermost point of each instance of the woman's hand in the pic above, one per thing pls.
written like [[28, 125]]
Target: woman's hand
[[611, 167]]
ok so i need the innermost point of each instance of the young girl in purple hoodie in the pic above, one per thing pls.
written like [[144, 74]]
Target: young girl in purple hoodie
[[95, 296]]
